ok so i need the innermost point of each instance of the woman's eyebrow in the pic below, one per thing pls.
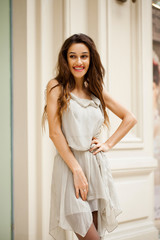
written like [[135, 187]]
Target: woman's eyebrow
[[81, 53]]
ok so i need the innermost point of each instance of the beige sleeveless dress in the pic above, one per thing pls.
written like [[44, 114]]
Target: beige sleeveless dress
[[81, 121]]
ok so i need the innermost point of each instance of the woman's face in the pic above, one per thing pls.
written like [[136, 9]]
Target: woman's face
[[78, 57]]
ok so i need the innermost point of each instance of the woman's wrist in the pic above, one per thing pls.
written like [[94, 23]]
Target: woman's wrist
[[108, 145], [76, 170]]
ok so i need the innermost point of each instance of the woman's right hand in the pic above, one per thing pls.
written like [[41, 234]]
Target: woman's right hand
[[80, 184]]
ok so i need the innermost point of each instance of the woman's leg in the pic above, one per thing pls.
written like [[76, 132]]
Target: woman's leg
[[92, 234], [95, 219]]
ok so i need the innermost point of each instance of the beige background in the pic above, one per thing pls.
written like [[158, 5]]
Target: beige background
[[123, 35]]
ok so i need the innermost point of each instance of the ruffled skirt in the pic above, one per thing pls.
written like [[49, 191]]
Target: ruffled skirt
[[69, 213]]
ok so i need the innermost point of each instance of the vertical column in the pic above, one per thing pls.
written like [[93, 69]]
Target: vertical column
[[20, 117], [67, 18], [102, 32]]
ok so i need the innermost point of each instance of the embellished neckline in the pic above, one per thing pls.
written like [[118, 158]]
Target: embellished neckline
[[94, 101], [82, 98]]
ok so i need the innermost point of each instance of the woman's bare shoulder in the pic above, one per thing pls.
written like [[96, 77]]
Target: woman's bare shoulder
[[53, 83]]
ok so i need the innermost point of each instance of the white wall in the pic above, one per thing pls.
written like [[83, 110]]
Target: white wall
[[122, 32]]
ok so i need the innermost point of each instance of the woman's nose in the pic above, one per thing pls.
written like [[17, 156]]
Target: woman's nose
[[79, 61]]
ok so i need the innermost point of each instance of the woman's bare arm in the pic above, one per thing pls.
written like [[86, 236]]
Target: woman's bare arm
[[59, 140], [128, 121]]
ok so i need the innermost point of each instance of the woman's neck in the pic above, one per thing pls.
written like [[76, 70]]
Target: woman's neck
[[79, 84]]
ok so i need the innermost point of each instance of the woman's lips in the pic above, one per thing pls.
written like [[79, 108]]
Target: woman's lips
[[78, 69]]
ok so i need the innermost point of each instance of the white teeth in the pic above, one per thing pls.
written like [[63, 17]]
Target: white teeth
[[78, 68]]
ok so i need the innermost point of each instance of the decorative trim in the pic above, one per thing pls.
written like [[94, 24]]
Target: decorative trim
[[141, 229], [132, 164], [134, 139]]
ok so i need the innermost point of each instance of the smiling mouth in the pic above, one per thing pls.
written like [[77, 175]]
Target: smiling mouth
[[79, 69]]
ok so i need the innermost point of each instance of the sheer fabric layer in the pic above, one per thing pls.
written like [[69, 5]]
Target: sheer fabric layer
[[72, 214]]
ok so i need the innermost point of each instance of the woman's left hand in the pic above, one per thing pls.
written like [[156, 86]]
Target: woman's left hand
[[98, 146]]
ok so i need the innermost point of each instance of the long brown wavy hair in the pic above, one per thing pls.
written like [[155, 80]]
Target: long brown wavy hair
[[93, 78]]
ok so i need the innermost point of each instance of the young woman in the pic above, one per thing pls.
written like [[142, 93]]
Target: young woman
[[83, 198]]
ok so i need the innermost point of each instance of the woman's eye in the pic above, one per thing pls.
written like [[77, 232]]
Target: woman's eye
[[84, 56], [72, 56]]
